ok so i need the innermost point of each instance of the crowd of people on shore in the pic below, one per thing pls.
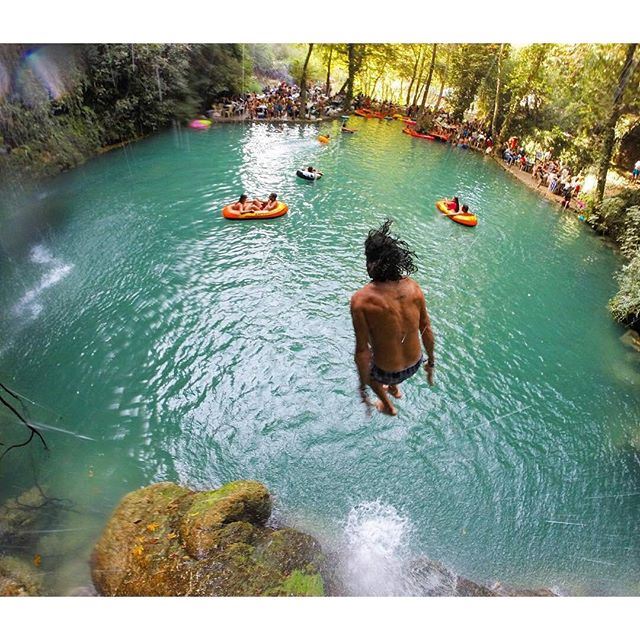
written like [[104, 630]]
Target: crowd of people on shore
[[283, 102], [384, 107], [279, 102], [558, 178], [470, 135]]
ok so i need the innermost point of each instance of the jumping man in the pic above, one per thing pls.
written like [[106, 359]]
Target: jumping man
[[389, 315]]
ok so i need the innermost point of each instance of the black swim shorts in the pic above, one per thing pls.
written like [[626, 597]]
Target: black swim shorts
[[393, 377]]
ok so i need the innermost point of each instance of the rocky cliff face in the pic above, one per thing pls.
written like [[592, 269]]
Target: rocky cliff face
[[166, 540]]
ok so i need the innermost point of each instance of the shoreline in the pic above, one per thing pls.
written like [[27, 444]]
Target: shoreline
[[275, 120], [528, 180]]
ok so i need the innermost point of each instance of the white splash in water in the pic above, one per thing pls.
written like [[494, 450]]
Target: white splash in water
[[29, 304], [376, 549]]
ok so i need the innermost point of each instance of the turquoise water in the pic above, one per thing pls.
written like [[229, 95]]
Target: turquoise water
[[199, 350]]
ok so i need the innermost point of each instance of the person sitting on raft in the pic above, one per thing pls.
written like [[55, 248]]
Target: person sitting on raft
[[314, 170], [454, 204], [267, 205], [243, 206], [465, 210]]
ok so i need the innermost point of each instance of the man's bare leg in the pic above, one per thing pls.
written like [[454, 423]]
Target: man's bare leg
[[394, 390], [384, 404]]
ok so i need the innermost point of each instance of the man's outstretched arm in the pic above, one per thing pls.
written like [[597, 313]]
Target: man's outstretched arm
[[427, 337], [362, 355]]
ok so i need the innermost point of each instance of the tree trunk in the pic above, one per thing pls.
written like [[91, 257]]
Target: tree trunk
[[440, 96], [610, 130], [419, 82], [303, 84], [348, 99], [427, 86], [375, 84], [413, 77], [496, 102], [515, 101], [327, 87]]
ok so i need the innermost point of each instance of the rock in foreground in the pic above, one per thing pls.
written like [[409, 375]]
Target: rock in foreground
[[166, 540], [17, 578]]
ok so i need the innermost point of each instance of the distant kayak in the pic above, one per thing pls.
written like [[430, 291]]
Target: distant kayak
[[414, 134], [466, 219], [441, 137]]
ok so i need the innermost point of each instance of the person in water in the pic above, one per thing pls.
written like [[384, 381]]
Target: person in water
[[389, 317], [313, 170], [454, 204], [267, 205], [243, 205]]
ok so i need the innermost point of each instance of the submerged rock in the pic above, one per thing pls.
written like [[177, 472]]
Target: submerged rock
[[18, 516], [430, 578], [86, 591], [17, 578], [543, 592], [166, 540], [632, 339]]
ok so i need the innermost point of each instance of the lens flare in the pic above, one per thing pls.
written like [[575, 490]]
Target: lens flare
[[46, 70]]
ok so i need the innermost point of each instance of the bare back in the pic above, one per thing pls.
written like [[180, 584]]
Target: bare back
[[392, 311]]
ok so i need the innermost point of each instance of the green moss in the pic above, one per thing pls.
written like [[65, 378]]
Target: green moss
[[253, 494], [302, 584], [167, 540], [206, 499]]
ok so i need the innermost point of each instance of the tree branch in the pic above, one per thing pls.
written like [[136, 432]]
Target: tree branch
[[32, 429]]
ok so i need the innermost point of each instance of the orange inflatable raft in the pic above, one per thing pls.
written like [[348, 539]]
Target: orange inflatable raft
[[230, 214], [467, 219]]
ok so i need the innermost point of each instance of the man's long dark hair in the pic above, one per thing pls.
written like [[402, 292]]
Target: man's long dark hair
[[388, 258]]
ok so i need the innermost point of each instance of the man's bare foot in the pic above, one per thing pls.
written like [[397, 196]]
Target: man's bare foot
[[383, 408], [393, 390]]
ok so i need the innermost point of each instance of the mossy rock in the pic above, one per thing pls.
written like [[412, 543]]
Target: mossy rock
[[286, 549], [17, 578], [203, 525], [166, 540], [300, 584]]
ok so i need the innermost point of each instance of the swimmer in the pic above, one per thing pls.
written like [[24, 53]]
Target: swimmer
[[243, 206], [313, 170], [267, 205], [389, 317], [454, 204]]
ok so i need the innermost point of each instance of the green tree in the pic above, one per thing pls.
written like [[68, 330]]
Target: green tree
[[430, 76], [303, 83], [137, 88], [606, 151], [416, 53], [469, 65], [522, 85]]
